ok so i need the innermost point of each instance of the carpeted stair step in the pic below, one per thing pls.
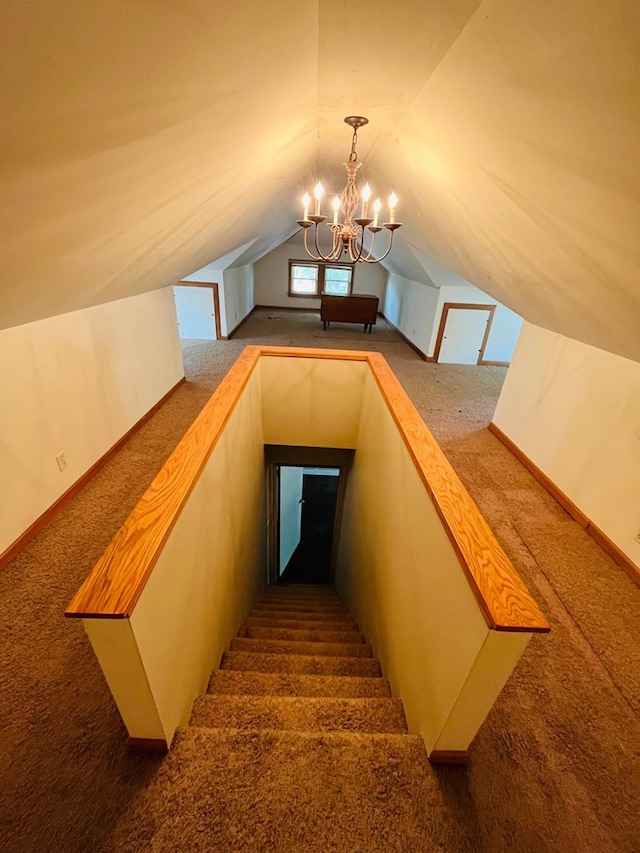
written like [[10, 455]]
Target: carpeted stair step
[[289, 591], [237, 682], [290, 792], [303, 664], [291, 595], [294, 713], [291, 647], [298, 624], [299, 615], [311, 607], [300, 635], [301, 588]]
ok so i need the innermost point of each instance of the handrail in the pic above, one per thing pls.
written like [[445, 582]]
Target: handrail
[[118, 579], [501, 594]]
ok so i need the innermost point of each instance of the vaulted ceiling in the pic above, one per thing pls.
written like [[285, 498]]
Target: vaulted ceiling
[[141, 141]]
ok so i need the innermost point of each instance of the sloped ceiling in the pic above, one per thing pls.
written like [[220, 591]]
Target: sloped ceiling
[[143, 140]]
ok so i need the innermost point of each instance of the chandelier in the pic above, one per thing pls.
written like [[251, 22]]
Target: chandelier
[[348, 235]]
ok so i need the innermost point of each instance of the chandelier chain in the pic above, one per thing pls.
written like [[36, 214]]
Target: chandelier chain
[[353, 156]]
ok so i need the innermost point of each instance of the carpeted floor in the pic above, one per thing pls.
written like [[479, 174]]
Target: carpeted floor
[[555, 766]]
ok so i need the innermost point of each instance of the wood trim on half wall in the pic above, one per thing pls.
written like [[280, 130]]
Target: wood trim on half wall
[[157, 746], [609, 547], [23, 540]]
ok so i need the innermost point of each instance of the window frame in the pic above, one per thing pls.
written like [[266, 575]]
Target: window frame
[[321, 266]]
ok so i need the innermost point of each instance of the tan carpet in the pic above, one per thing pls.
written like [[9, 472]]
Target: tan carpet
[[288, 773], [555, 766]]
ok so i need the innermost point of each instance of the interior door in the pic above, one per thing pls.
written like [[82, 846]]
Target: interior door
[[279, 456], [464, 335], [290, 512], [196, 314]]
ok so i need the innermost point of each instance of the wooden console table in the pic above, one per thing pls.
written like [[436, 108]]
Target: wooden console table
[[357, 308]]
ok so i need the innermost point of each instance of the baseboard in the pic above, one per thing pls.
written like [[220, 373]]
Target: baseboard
[[449, 756], [241, 323], [146, 744], [616, 554], [289, 308], [565, 502], [23, 540], [422, 355], [483, 363]]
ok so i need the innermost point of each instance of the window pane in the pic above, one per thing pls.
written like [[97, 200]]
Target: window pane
[[337, 280], [304, 279]]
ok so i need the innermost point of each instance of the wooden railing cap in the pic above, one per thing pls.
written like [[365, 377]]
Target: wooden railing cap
[[118, 579]]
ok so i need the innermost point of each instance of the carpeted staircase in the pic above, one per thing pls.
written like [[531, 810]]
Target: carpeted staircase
[[297, 747]]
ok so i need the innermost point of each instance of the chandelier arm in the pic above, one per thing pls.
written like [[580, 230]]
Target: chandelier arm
[[307, 249], [336, 248], [359, 256], [336, 251], [321, 255], [369, 260]]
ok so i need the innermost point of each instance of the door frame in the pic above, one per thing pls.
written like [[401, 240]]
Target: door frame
[[213, 286], [471, 306], [312, 457]]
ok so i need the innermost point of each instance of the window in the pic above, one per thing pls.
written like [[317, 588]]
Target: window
[[337, 280], [309, 279], [303, 279]]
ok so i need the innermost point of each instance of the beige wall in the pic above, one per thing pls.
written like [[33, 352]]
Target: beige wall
[[416, 309], [399, 574], [312, 402], [76, 383], [209, 572], [411, 307], [238, 295], [574, 410], [272, 279]]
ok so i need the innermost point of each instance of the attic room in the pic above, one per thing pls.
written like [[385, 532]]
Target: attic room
[[155, 144]]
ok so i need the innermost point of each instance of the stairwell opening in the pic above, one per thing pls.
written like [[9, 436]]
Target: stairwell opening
[[305, 495]]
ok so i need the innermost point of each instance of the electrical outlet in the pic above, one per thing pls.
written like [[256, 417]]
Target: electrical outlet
[[62, 462], [638, 536]]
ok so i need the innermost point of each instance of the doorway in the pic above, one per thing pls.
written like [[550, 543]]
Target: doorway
[[305, 496], [198, 310], [463, 333], [307, 509]]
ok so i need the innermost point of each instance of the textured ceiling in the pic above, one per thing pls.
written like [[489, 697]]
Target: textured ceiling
[[141, 141]]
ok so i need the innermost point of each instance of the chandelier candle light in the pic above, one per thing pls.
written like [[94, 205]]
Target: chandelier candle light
[[348, 235]]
